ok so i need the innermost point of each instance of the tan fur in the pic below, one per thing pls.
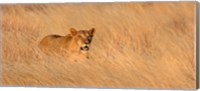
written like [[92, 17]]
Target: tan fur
[[71, 43]]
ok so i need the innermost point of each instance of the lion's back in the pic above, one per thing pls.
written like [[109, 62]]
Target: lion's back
[[50, 41]]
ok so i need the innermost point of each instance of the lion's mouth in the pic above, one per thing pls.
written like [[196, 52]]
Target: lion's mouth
[[85, 48]]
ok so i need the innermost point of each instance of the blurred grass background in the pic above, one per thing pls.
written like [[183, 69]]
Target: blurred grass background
[[136, 45]]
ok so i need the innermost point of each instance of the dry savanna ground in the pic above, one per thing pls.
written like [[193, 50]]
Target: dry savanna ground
[[136, 45]]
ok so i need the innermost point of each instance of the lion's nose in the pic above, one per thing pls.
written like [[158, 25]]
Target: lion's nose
[[87, 42]]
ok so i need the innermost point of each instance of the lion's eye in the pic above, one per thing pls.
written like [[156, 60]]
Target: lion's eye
[[89, 38], [79, 36]]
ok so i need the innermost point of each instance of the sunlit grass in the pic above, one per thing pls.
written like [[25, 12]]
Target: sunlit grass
[[135, 45]]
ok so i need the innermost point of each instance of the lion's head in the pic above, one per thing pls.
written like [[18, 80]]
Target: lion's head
[[83, 38]]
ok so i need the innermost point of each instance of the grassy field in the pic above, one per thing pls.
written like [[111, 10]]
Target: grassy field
[[136, 45]]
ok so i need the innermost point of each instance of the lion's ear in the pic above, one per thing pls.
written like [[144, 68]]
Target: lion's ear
[[73, 31], [91, 31]]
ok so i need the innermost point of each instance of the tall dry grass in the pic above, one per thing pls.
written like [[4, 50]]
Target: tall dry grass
[[136, 45]]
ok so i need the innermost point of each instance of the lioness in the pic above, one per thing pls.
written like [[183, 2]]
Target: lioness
[[75, 42]]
